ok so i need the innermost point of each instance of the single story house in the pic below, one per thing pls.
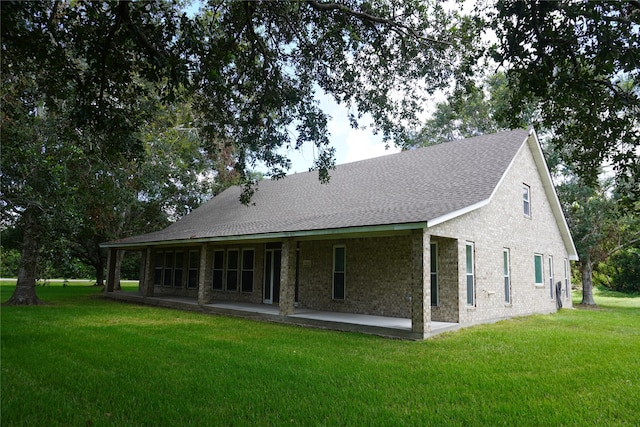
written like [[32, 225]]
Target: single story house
[[466, 232]]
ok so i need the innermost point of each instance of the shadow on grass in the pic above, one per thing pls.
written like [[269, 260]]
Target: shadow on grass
[[603, 292], [579, 306], [609, 293]]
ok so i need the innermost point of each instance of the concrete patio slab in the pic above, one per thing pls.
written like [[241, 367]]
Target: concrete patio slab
[[391, 327]]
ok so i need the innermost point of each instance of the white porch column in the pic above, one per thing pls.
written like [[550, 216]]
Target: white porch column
[[288, 278], [420, 283]]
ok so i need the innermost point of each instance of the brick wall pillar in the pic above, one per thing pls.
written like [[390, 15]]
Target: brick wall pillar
[[420, 283], [288, 277], [146, 286], [465, 311], [142, 271], [204, 288]]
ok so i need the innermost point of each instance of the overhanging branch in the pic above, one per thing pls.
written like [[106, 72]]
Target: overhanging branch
[[396, 26], [123, 12], [622, 246]]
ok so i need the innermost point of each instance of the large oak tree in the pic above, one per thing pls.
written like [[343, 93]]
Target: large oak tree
[[77, 76], [579, 62]]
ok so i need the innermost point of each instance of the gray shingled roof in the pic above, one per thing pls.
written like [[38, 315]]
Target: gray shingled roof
[[408, 187]]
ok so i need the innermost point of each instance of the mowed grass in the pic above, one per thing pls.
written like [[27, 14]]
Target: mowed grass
[[84, 360]]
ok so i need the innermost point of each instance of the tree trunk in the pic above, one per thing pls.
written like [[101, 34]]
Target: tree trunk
[[25, 292], [99, 274], [587, 282], [119, 258], [98, 262]]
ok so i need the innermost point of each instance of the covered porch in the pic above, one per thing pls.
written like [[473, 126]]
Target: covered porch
[[390, 327], [395, 284]]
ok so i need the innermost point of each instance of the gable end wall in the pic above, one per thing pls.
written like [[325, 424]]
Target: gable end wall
[[502, 224]]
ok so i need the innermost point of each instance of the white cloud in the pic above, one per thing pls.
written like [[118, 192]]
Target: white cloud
[[361, 145], [351, 144]]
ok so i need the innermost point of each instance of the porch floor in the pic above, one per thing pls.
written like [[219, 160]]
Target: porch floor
[[393, 327]]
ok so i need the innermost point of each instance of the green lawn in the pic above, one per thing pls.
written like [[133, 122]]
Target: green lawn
[[83, 360]]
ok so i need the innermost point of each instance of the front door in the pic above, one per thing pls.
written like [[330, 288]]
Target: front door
[[271, 291]]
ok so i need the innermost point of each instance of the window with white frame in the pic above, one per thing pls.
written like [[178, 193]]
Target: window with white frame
[[159, 265], [218, 270], [434, 274], [552, 289], [168, 269], [507, 275], [538, 268], [339, 271], [246, 278], [470, 268], [526, 200]]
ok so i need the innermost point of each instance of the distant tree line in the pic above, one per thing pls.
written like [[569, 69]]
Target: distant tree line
[[58, 266]]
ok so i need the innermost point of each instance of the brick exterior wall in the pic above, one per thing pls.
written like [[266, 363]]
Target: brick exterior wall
[[502, 224], [385, 276], [237, 295], [448, 302], [377, 276], [205, 293]]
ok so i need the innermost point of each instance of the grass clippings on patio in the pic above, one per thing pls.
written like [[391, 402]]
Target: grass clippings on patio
[[84, 360]]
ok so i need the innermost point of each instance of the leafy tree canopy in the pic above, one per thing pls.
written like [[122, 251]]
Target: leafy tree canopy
[[579, 62], [258, 66], [82, 79], [472, 109], [254, 66]]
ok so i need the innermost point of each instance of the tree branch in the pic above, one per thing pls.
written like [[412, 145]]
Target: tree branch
[[622, 246], [107, 46], [628, 18], [123, 8], [397, 27]]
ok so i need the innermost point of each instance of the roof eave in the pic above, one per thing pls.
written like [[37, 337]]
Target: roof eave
[[549, 188], [556, 207], [331, 232], [451, 215]]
